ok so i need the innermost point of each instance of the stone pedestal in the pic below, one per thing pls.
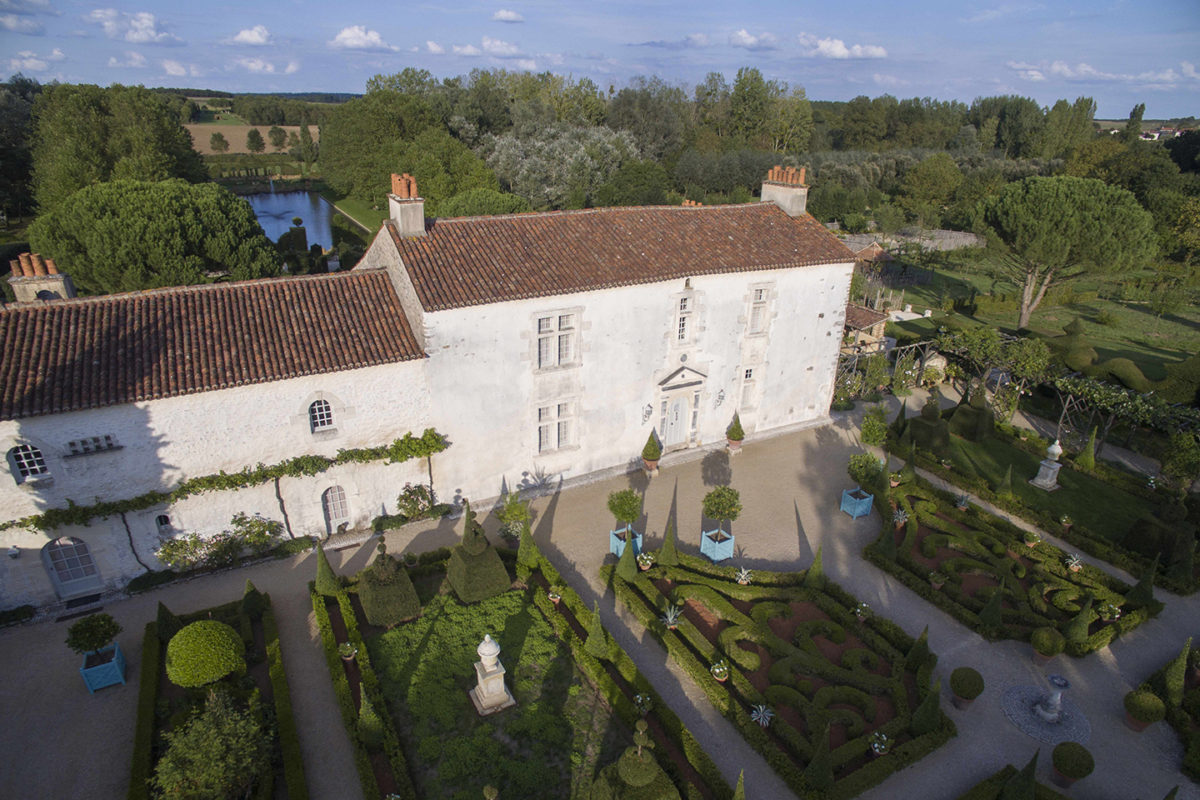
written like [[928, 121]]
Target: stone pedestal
[[1047, 477], [490, 695]]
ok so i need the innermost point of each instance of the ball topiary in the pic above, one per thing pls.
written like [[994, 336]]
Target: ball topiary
[[204, 652], [1047, 641], [1073, 760], [966, 683], [1145, 706]]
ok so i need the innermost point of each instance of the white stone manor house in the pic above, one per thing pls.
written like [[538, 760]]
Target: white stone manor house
[[546, 344]]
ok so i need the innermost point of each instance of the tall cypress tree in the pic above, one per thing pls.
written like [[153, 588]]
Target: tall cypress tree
[[925, 719], [1176, 674]]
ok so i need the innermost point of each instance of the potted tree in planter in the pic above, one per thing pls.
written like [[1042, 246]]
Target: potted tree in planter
[[1047, 643], [1072, 762], [103, 662], [966, 684], [1142, 709], [651, 453], [937, 580], [723, 504], [734, 434], [626, 507]]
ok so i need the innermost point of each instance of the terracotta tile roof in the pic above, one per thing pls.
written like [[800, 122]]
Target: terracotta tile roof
[[74, 354], [473, 260], [860, 317]]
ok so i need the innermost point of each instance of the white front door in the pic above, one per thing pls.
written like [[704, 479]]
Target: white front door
[[677, 418]]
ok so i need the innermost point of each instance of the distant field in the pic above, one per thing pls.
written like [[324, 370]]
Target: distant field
[[235, 134]]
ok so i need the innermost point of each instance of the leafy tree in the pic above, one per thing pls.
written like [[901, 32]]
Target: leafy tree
[[1067, 127], [254, 141], [722, 503], [278, 137], [16, 131], [625, 506], [92, 633], [363, 141], [929, 186], [220, 753], [84, 135], [128, 235], [749, 104], [308, 148], [653, 112], [483, 202], [789, 123], [218, 143], [1133, 128], [635, 183], [1052, 230]]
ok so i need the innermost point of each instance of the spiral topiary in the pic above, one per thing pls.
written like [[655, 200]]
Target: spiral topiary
[[204, 652]]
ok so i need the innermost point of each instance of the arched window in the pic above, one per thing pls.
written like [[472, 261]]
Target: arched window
[[320, 416], [71, 566], [26, 462], [337, 511]]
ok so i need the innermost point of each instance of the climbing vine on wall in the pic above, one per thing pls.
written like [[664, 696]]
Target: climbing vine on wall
[[404, 449]]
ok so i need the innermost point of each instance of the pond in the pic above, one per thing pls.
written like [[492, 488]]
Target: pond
[[276, 209]]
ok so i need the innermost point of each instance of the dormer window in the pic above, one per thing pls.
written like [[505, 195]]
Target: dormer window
[[27, 463], [320, 416]]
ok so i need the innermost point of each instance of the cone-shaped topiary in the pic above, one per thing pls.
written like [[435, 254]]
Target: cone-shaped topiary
[[668, 555], [819, 772], [918, 653], [928, 714], [1077, 628], [814, 576], [370, 726], [991, 616], [254, 603], [627, 569], [474, 569], [528, 554], [740, 792], [1005, 486], [1176, 674], [167, 623], [1023, 785], [1142, 593], [597, 640], [734, 432], [474, 541], [908, 473], [1086, 460], [653, 450], [204, 652], [386, 592], [327, 583]]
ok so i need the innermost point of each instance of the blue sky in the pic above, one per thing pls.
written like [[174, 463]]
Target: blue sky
[[1119, 53]]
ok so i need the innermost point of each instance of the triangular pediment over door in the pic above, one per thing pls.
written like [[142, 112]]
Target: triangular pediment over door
[[682, 378]]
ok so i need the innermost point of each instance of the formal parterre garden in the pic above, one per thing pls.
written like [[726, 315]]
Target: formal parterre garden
[[1177, 686], [401, 643], [835, 697], [1003, 582], [1123, 519], [214, 714]]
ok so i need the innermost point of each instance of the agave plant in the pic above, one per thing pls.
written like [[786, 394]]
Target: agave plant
[[671, 616], [900, 517], [743, 576], [1073, 562], [962, 501], [762, 715]]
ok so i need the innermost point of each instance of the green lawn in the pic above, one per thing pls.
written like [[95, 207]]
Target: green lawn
[[358, 210], [550, 746], [1092, 503]]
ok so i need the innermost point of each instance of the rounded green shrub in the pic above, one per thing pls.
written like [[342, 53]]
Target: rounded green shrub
[[1145, 706], [1047, 641], [204, 652], [1073, 760], [966, 683]]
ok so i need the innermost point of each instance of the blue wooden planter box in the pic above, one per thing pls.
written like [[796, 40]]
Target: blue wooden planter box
[[714, 550], [107, 674], [616, 545], [856, 502]]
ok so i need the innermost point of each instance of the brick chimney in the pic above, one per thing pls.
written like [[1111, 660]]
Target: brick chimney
[[785, 188], [405, 206], [35, 278]]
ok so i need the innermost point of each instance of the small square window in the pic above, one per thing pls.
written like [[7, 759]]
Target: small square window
[[683, 304], [544, 324], [760, 295], [749, 374]]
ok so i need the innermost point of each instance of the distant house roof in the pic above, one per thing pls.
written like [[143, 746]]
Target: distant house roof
[[71, 355], [474, 260], [859, 318]]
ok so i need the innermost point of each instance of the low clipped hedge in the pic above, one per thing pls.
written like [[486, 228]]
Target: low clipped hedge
[[285, 718], [143, 735], [993, 787], [203, 652]]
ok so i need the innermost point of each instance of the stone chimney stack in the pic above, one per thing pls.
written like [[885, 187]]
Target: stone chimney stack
[[785, 187], [405, 206], [34, 278]]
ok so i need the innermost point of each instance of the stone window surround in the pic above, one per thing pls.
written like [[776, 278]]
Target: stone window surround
[[45, 477], [767, 305], [578, 326], [341, 413], [553, 422]]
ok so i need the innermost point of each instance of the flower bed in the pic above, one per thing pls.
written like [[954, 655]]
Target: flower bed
[[1183, 673], [830, 680], [978, 556], [264, 668]]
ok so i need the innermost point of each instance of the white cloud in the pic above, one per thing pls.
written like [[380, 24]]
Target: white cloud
[[689, 41], [21, 24], [256, 36], [499, 47], [28, 7], [1084, 72], [256, 65], [357, 37], [526, 64], [178, 70], [434, 47], [1189, 70], [291, 68], [29, 61], [835, 48], [888, 80], [140, 27], [466, 50], [504, 15], [1003, 10], [743, 38], [132, 59]]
